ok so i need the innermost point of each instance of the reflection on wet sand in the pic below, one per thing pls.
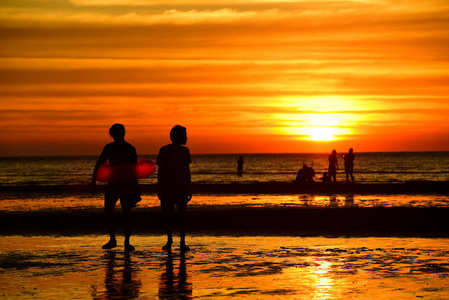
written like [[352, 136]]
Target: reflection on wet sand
[[119, 284], [331, 201], [175, 284], [204, 201], [261, 267], [323, 280]]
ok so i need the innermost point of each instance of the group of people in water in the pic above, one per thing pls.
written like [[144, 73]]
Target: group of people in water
[[307, 174], [174, 184]]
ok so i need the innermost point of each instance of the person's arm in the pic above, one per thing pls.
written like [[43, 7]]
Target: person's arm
[[189, 177], [101, 160]]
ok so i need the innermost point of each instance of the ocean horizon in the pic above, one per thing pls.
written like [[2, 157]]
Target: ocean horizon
[[221, 168]]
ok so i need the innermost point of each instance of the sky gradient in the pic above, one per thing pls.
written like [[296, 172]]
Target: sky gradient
[[242, 76]]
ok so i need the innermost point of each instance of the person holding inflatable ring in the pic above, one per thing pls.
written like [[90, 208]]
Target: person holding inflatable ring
[[119, 153]]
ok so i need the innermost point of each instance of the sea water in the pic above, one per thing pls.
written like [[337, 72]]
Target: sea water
[[222, 168]]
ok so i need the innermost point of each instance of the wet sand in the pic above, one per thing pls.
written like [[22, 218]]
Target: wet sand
[[414, 187], [280, 241], [262, 267]]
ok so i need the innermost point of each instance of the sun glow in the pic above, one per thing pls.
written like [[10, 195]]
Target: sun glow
[[320, 133]]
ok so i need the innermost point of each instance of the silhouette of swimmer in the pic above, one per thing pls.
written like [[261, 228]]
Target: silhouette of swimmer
[[349, 164], [240, 163], [119, 152], [305, 174], [333, 165], [174, 184], [175, 285]]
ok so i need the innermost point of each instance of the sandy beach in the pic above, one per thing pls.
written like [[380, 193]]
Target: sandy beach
[[270, 267], [247, 241]]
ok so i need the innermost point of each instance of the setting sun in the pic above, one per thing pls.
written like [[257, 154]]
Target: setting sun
[[321, 133]]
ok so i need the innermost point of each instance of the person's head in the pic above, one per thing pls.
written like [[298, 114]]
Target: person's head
[[334, 151], [351, 150], [178, 135], [117, 131]]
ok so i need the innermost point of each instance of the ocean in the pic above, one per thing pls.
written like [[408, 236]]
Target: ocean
[[222, 168]]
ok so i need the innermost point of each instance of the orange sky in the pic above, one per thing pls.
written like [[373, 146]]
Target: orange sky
[[242, 76]]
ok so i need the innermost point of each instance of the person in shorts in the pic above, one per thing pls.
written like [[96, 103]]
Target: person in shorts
[[119, 152], [174, 184]]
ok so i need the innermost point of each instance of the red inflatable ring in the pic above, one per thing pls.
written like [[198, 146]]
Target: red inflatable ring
[[131, 172]]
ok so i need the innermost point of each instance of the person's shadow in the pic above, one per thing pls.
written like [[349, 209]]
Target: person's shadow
[[126, 287], [175, 285]]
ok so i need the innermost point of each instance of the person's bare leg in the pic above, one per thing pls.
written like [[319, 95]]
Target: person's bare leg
[[111, 228], [127, 221], [182, 227], [168, 211]]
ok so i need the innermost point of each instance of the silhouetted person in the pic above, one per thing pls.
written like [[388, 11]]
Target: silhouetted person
[[174, 187], [240, 163], [325, 178], [119, 152], [305, 174], [349, 164], [333, 165]]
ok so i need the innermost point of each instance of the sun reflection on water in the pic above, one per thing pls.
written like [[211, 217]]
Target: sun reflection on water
[[214, 201], [323, 282]]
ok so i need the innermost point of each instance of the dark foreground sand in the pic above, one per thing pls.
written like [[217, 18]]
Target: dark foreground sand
[[235, 220]]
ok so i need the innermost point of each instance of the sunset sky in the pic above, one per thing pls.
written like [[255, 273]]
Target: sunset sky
[[242, 76]]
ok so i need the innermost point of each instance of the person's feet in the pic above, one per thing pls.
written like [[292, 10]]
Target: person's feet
[[109, 245], [184, 248], [129, 248], [167, 247]]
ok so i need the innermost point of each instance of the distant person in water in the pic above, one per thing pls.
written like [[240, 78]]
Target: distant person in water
[[174, 184], [333, 165], [349, 164], [240, 163], [119, 152]]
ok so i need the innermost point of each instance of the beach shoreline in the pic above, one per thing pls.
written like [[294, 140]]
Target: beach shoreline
[[410, 187]]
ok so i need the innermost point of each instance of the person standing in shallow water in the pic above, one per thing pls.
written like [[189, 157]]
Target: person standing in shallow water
[[174, 184], [333, 165], [240, 163], [119, 152], [349, 164]]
